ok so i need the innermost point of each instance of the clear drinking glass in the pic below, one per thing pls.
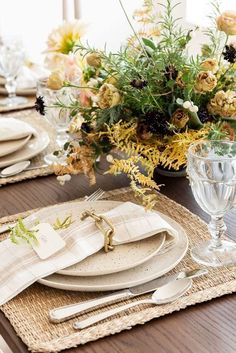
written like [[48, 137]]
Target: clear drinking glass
[[211, 169], [59, 118], [12, 57]]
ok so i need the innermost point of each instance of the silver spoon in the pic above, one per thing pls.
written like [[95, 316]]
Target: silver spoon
[[14, 169], [165, 294], [18, 168]]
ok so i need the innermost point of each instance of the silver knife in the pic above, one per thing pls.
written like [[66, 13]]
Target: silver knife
[[67, 312]]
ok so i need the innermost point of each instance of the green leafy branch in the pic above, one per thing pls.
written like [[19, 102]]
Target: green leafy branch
[[21, 232], [64, 224], [214, 35]]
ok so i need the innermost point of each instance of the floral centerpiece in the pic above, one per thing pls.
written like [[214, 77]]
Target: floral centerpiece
[[151, 100]]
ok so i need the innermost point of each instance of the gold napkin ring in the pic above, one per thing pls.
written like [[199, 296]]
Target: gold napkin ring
[[108, 233]]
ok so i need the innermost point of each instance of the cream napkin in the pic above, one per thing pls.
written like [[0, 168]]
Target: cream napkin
[[21, 266], [14, 129]]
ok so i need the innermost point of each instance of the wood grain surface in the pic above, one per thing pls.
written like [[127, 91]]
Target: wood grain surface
[[204, 328]]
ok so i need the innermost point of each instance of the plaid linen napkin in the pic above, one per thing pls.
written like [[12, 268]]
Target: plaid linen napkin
[[21, 266]]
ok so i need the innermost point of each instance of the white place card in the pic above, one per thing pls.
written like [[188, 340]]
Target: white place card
[[49, 241]]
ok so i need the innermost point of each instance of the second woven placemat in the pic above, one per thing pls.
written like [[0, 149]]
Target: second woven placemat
[[28, 312]]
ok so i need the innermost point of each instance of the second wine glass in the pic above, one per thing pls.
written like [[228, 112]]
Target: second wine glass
[[12, 58], [59, 118], [211, 169]]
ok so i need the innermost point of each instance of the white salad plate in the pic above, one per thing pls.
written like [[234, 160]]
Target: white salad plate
[[34, 146], [156, 266], [7, 147]]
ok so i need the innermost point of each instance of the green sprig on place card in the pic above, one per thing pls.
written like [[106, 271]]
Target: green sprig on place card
[[64, 224], [21, 232]]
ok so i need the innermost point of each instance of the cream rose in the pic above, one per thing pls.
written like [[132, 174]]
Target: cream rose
[[206, 81], [223, 104], [226, 22], [108, 96], [210, 65]]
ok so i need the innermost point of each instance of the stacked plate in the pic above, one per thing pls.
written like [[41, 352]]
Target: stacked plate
[[20, 141], [128, 265]]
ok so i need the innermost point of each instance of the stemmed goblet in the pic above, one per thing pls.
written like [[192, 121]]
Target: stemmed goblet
[[59, 118], [211, 167], [12, 57]]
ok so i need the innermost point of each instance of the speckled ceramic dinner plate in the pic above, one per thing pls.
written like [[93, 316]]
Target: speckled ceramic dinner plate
[[124, 257]]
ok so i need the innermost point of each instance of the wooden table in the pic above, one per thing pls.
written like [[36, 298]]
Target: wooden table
[[204, 328]]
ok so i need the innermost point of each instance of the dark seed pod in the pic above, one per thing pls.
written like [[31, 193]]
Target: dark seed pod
[[40, 105], [229, 54], [171, 73], [157, 123], [137, 83]]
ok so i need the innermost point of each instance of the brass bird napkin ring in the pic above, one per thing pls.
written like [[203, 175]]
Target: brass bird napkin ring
[[108, 233]]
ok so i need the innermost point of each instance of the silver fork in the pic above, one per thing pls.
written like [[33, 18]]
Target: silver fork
[[96, 195]]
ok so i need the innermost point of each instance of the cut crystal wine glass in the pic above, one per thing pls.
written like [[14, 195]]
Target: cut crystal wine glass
[[59, 118], [211, 168], [12, 57]]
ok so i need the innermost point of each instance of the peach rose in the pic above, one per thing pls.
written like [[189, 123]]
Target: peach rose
[[226, 22], [67, 63], [85, 98]]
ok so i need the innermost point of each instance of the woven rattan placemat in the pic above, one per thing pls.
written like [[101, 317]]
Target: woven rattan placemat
[[37, 121], [28, 311]]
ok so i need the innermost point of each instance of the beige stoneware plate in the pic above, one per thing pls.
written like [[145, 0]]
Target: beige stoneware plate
[[153, 268], [7, 147], [35, 146], [122, 258]]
